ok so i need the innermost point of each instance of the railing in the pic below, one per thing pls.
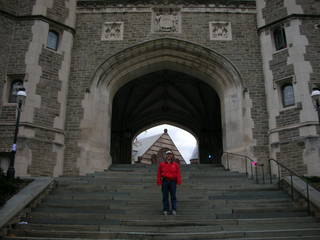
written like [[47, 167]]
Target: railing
[[256, 168], [280, 168], [249, 163]]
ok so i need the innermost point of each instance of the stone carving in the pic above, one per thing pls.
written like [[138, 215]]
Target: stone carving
[[220, 31], [112, 31], [166, 20]]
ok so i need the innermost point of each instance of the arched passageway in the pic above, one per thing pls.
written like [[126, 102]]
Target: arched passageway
[[223, 120], [170, 96]]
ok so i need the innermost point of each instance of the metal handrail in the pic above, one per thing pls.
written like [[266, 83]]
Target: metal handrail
[[246, 158], [292, 173], [279, 166]]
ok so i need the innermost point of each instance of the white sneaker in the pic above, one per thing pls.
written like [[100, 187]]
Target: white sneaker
[[174, 213], [165, 213]]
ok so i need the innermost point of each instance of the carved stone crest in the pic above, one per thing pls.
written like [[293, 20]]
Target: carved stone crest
[[220, 31], [112, 31], [166, 20]]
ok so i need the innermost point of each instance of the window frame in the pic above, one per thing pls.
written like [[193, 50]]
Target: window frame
[[282, 88], [57, 34], [277, 33]]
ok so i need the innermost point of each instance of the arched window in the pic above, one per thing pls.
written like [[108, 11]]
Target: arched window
[[53, 40], [279, 36], [287, 95], [14, 88]]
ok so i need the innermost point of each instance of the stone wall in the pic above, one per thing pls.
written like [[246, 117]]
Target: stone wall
[[293, 130], [45, 74], [90, 52], [12, 64]]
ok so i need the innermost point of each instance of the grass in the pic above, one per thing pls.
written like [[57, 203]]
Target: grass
[[9, 187]]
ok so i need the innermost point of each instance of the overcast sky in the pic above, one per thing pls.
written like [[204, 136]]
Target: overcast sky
[[184, 141]]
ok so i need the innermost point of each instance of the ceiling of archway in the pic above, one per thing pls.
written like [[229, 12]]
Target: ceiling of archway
[[166, 96]]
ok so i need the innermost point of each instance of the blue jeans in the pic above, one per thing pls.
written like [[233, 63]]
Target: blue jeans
[[169, 187]]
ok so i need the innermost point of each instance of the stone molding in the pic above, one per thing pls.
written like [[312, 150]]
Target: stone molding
[[182, 46], [288, 18], [104, 3], [22, 124], [293, 126], [39, 18], [197, 9]]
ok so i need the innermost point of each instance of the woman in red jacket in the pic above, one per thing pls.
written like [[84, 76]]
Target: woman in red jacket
[[169, 176]]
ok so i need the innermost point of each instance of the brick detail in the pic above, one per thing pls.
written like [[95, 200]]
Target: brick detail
[[20, 44], [6, 138], [43, 157], [309, 6], [274, 10], [137, 29], [58, 12], [288, 117], [48, 88], [292, 151], [279, 66]]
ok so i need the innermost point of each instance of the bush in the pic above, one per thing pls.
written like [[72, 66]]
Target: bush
[[9, 187]]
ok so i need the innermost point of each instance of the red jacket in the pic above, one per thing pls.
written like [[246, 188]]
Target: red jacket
[[170, 170]]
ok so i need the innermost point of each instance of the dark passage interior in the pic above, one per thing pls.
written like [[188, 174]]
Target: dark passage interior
[[166, 96]]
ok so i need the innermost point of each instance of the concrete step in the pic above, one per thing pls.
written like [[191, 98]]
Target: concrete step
[[125, 203], [167, 235], [314, 237], [202, 206], [172, 229], [154, 189]]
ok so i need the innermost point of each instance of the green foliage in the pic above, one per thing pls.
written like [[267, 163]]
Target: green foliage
[[8, 187]]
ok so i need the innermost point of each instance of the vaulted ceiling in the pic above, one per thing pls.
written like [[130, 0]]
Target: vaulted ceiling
[[166, 96]]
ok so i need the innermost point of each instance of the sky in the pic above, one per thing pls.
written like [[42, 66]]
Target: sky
[[184, 141]]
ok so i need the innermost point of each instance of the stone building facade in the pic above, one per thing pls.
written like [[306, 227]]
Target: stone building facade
[[210, 67]]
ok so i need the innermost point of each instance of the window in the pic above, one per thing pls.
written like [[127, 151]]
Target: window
[[53, 40], [14, 88], [287, 95], [279, 36]]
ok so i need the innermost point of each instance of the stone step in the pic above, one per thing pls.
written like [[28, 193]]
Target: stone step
[[157, 235], [147, 202], [156, 213], [314, 237], [173, 221], [204, 205], [182, 208], [173, 228], [154, 188], [125, 203]]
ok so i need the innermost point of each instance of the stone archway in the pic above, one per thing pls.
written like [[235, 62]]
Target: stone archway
[[156, 55], [166, 95]]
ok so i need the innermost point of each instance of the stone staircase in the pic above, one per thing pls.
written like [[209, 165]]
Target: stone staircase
[[125, 203]]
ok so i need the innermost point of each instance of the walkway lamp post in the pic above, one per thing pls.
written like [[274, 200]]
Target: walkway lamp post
[[316, 101], [21, 96]]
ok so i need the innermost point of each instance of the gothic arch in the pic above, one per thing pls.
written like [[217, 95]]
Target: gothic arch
[[156, 55], [170, 53]]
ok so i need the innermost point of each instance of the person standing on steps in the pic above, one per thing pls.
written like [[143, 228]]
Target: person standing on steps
[[169, 176]]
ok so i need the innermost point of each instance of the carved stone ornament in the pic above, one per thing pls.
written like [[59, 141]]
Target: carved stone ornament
[[112, 31], [220, 31], [166, 20]]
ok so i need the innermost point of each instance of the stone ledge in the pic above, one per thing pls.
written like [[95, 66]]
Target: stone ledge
[[23, 198]]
